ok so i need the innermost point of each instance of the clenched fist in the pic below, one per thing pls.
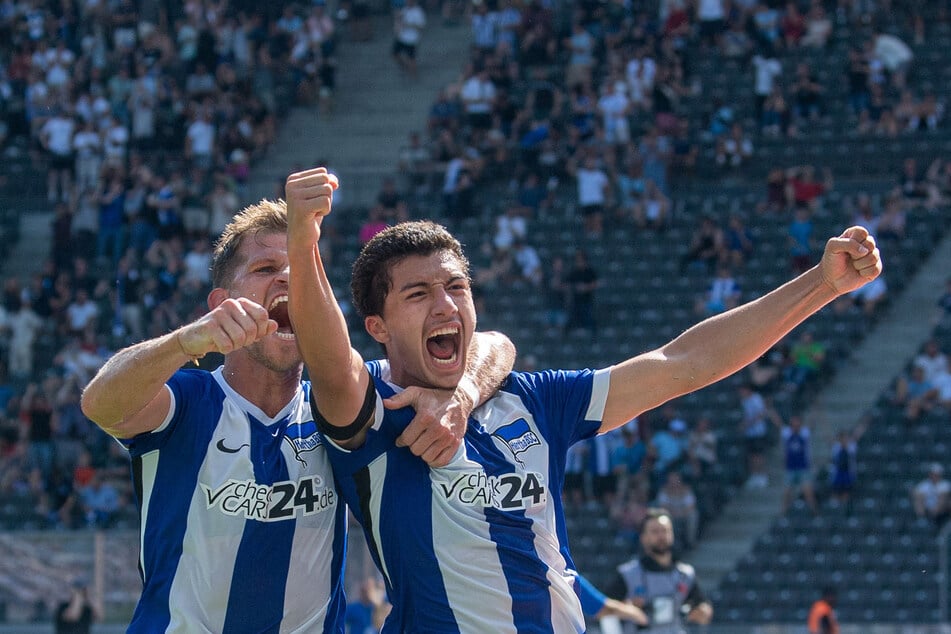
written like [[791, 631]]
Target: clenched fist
[[309, 198]]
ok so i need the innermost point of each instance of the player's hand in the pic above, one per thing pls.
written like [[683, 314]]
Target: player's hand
[[309, 198], [436, 431], [233, 324], [851, 260]]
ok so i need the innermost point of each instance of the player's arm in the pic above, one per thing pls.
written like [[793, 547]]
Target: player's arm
[[442, 416], [128, 396], [725, 343], [596, 604], [341, 383]]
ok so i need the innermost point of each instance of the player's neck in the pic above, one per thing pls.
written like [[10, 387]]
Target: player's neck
[[267, 389]]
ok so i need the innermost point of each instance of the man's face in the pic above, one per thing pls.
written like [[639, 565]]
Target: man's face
[[261, 276], [427, 322], [657, 538]]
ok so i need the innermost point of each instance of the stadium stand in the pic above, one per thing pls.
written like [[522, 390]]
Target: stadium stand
[[644, 297]]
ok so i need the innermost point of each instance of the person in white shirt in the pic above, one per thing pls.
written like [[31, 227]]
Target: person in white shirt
[[930, 496], [87, 144], [56, 135], [408, 30]]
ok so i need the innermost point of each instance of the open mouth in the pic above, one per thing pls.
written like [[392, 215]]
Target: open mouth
[[278, 312], [443, 345]]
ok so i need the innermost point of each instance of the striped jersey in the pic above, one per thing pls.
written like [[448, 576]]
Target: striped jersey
[[242, 529], [479, 545]]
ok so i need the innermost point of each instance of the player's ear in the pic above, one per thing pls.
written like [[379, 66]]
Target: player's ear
[[215, 297], [377, 328]]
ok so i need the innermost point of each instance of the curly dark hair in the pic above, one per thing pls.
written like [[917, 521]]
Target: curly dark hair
[[370, 280]]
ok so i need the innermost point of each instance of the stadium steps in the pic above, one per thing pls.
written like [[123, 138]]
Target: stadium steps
[[376, 107]]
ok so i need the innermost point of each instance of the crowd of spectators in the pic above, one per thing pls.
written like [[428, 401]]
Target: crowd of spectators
[[146, 120]]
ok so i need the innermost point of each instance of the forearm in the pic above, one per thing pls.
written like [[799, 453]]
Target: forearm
[[321, 331], [491, 359], [725, 343], [131, 379]]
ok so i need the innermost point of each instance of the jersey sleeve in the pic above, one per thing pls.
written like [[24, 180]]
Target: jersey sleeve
[[573, 401], [186, 387], [592, 599]]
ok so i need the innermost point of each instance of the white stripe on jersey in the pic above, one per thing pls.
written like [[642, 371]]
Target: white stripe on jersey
[[599, 394], [474, 578], [377, 471], [149, 467]]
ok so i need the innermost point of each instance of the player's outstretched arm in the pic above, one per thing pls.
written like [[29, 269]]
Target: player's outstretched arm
[[725, 343], [128, 396], [336, 370]]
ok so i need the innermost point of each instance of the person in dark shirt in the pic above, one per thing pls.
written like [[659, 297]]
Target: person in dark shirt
[[76, 615]]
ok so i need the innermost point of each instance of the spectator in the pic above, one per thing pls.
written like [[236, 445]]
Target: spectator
[[581, 49], [723, 294], [767, 69], [668, 446], [915, 393], [843, 469], [869, 298], [818, 27], [409, 22], [792, 25], [895, 55], [77, 614], [706, 246], [701, 447], [56, 137], [556, 295], [527, 263], [776, 118], [738, 241], [582, 281], [802, 188], [734, 150], [593, 191], [807, 95], [796, 438], [754, 425], [653, 212], [932, 360], [858, 73], [25, 326], [628, 457], [806, 358], [930, 496], [943, 312], [800, 238], [679, 500], [615, 107], [822, 618], [100, 502]]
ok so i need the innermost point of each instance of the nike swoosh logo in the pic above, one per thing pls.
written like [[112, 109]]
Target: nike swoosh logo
[[221, 447]]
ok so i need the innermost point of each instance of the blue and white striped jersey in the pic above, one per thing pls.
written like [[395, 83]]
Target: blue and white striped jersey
[[479, 545], [242, 529]]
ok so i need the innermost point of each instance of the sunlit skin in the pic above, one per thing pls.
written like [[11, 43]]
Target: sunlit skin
[[429, 295], [261, 276]]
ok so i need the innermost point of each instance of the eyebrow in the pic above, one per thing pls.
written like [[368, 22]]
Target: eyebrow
[[409, 285]]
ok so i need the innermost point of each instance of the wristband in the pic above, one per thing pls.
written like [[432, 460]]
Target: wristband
[[344, 434]]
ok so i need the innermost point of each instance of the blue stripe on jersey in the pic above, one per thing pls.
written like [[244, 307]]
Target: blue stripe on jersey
[[175, 479], [259, 607]]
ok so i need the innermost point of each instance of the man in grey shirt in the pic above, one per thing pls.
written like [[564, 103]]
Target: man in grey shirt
[[665, 588]]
